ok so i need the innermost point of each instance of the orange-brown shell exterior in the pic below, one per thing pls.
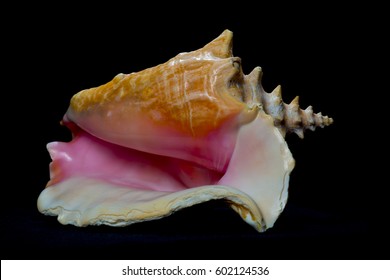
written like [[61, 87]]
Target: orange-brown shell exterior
[[193, 93]]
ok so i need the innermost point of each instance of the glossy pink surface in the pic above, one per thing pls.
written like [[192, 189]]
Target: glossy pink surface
[[88, 156]]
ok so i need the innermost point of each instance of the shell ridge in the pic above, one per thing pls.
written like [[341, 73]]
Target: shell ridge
[[290, 117]]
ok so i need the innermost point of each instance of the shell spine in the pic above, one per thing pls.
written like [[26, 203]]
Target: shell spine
[[287, 117]]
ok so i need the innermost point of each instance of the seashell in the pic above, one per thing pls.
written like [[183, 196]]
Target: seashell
[[187, 131]]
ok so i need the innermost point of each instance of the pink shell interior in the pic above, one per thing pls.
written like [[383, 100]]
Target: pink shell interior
[[91, 157]]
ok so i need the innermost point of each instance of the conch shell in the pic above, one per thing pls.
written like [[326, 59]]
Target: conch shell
[[184, 132]]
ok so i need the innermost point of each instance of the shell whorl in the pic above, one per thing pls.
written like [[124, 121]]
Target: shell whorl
[[287, 117]]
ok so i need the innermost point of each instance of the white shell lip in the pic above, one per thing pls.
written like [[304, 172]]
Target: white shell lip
[[144, 206]]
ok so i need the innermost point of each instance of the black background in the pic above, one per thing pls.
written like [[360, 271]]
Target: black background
[[317, 53]]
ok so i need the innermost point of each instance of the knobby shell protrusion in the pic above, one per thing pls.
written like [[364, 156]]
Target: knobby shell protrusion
[[287, 117]]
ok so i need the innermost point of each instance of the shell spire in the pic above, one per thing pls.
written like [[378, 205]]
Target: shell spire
[[287, 117], [290, 117]]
